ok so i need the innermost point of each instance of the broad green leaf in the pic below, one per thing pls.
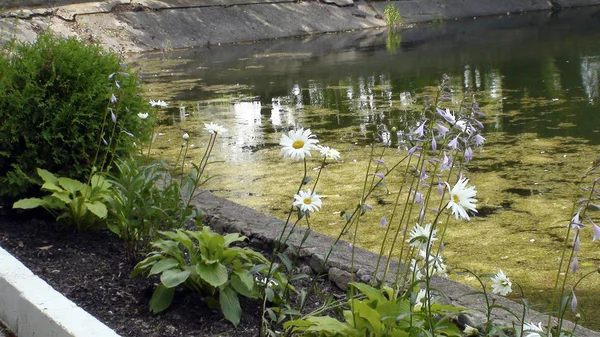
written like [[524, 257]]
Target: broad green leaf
[[215, 274], [71, 185], [114, 228], [52, 187], [63, 196], [233, 237], [372, 293], [98, 208], [243, 283], [47, 176], [230, 305], [173, 277], [331, 325], [161, 298], [361, 309], [162, 265], [29, 203]]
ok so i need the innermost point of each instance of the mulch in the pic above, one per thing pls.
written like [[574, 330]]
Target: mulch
[[92, 270]]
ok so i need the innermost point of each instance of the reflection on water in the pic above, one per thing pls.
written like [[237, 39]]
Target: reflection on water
[[590, 71], [536, 77]]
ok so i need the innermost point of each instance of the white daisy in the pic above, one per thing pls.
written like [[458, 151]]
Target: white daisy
[[307, 202], [214, 128], [501, 284], [143, 115], [462, 199], [533, 330], [328, 152], [419, 236], [297, 144], [159, 103]]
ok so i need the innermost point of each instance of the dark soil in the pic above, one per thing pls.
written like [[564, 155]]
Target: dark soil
[[92, 270]]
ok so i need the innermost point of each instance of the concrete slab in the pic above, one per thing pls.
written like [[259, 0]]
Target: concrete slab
[[167, 29]]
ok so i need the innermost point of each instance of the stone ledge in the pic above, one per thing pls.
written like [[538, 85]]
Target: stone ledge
[[263, 231]]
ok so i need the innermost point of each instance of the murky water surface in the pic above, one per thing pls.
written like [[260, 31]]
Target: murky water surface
[[536, 76]]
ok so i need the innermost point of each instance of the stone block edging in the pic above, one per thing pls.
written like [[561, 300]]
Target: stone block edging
[[263, 231]]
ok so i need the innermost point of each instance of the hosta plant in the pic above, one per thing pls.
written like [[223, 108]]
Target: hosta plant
[[206, 263], [380, 312], [71, 202]]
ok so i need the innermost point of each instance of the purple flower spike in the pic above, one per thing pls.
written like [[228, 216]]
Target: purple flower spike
[[575, 264], [468, 155]]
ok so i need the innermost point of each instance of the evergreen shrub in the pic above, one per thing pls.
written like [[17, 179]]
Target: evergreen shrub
[[56, 111]]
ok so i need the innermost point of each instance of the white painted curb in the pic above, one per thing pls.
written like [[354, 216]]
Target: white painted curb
[[32, 308]]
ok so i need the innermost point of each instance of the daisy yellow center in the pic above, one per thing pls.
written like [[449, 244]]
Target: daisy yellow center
[[298, 144], [307, 201], [455, 198]]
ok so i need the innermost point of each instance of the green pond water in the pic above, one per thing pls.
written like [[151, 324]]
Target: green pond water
[[536, 76]]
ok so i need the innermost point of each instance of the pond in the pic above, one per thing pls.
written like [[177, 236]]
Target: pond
[[536, 76]]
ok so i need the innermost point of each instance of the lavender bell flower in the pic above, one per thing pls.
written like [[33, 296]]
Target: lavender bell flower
[[418, 198], [445, 114], [468, 154], [420, 130], [478, 123], [453, 144], [380, 175], [383, 221], [423, 175], [433, 143], [574, 304], [478, 140], [596, 231], [440, 188], [442, 130], [113, 98], [446, 163], [113, 117], [576, 242], [575, 264]]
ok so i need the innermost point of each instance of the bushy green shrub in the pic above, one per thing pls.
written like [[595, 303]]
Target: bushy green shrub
[[57, 108]]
